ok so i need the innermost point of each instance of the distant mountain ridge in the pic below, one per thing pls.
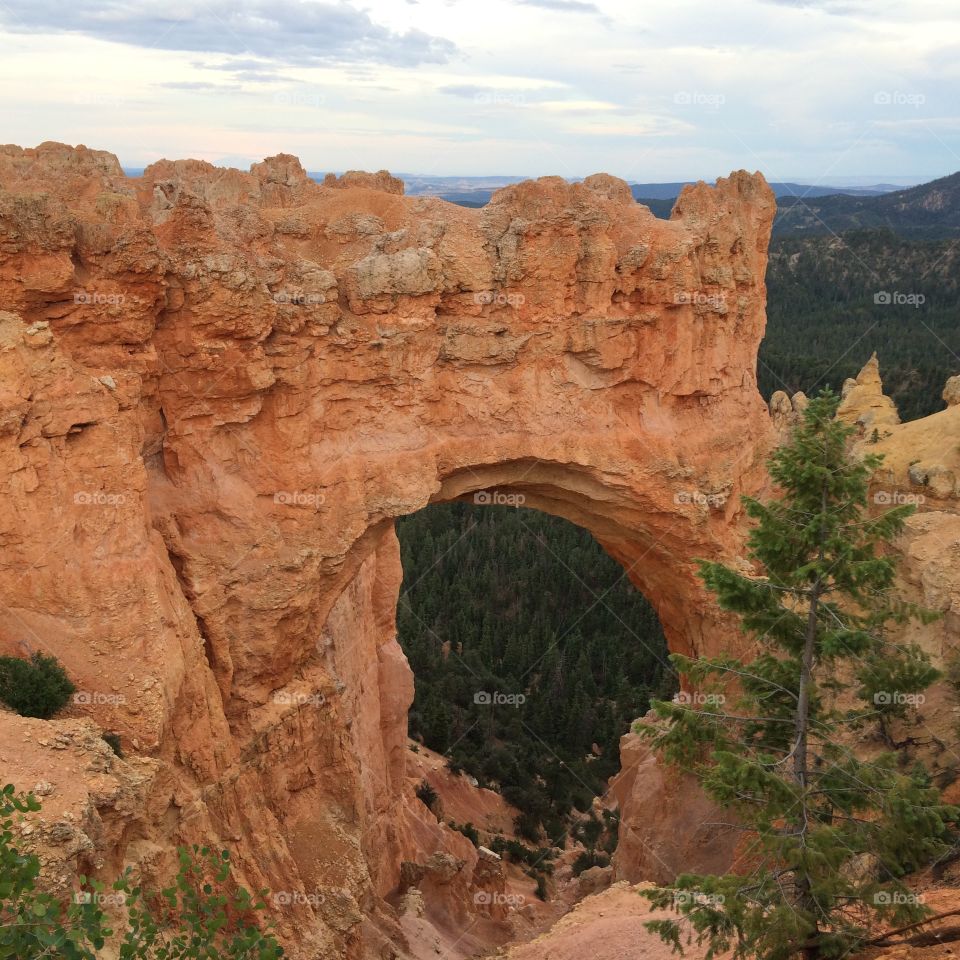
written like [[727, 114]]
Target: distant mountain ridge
[[670, 191], [928, 211]]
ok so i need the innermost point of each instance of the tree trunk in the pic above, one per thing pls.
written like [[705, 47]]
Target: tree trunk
[[803, 703], [800, 760]]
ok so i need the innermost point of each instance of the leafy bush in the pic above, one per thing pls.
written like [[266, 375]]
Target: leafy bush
[[513, 850], [113, 741], [610, 841], [33, 922], [199, 921], [588, 831], [588, 859], [556, 830], [541, 887], [611, 821], [468, 830], [37, 687], [427, 795], [527, 826], [454, 766]]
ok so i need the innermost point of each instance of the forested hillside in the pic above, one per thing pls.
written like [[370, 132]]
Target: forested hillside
[[929, 210], [832, 301], [532, 653]]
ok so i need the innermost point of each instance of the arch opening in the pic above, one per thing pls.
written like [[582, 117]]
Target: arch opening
[[532, 653]]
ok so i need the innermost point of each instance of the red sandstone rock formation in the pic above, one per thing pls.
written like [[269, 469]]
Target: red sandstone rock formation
[[606, 926], [218, 390]]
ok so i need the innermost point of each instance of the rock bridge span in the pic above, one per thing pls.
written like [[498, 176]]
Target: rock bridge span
[[219, 388]]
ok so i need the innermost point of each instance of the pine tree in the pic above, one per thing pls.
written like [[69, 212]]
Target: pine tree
[[829, 835]]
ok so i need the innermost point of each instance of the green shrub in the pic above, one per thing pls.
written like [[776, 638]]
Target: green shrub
[[588, 831], [527, 826], [202, 916], [610, 841], [589, 859], [468, 830], [37, 687], [427, 795], [113, 741]]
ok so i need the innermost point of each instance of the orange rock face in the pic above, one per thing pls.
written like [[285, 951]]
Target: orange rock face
[[217, 390]]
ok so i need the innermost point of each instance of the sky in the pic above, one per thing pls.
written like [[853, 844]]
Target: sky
[[815, 91]]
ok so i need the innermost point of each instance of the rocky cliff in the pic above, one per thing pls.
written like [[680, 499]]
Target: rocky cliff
[[217, 390]]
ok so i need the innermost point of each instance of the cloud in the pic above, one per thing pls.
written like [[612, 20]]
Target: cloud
[[648, 127], [578, 106], [836, 7], [920, 125], [245, 70], [469, 91], [194, 85], [235, 64], [520, 90], [563, 6], [281, 31]]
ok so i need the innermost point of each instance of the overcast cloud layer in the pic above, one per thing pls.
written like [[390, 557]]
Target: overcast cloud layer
[[823, 91], [285, 31]]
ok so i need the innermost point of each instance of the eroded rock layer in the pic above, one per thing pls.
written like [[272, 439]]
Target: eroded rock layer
[[217, 390]]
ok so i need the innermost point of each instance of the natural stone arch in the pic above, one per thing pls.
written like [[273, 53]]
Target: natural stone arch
[[284, 368], [561, 330]]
